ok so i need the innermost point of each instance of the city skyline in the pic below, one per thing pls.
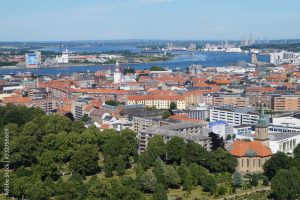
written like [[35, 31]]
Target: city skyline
[[148, 19]]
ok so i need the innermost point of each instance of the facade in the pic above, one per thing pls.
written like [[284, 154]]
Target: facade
[[233, 116], [285, 143], [190, 132], [194, 113], [235, 100], [157, 101], [286, 103], [289, 121], [78, 108], [242, 130], [285, 57]]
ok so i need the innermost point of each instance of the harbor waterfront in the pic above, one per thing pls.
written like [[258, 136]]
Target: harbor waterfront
[[181, 60]]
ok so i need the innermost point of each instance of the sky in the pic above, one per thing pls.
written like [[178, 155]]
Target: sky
[[55, 20]]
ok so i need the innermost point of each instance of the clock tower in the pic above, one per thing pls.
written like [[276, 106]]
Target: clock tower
[[262, 129]]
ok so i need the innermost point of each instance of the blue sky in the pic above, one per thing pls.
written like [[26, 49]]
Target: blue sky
[[148, 19]]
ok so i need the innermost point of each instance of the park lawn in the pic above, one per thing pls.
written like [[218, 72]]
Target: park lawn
[[196, 193], [3, 197]]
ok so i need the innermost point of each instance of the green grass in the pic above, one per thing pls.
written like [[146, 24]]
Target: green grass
[[3, 197], [196, 193]]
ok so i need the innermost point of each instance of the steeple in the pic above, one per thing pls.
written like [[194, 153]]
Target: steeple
[[262, 129], [262, 121]]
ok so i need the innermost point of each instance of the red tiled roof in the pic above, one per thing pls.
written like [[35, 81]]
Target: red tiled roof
[[241, 148], [155, 97], [16, 100], [184, 118]]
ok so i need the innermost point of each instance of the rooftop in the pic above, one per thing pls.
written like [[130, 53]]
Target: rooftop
[[241, 148]]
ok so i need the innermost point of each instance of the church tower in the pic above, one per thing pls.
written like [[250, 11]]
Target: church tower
[[262, 129], [117, 73]]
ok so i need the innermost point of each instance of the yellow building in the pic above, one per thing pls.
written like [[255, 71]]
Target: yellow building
[[158, 101]]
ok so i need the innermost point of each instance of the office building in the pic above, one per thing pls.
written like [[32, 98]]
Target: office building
[[233, 115], [286, 103]]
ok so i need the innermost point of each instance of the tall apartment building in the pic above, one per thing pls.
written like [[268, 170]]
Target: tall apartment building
[[233, 115], [235, 100], [78, 108], [158, 101], [286, 103]]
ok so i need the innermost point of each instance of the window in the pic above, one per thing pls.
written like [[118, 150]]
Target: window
[[259, 162], [248, 162], [253, 163]]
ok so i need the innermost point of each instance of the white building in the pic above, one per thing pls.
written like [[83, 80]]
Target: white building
[[63, 59], [289, 121], [218, 127], [285, 57], [233, 116], [279, 142], [117, 74]]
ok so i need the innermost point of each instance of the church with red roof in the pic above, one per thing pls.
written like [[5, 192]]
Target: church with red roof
[[252, 155]]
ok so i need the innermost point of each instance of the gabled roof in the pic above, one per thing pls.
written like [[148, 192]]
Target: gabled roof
[[241, 148]]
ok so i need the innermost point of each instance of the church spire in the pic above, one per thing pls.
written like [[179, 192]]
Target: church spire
[[262, 128], [262, 121]]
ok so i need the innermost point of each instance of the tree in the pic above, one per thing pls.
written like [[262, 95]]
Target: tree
[[40, 192], [216, 141], [278, 161], [195, 153], [157, 147], [265, 181], [99, 190], [160, 193], [175, 149], [157, 68], [297, 153], [85, 118], [221, 161], [237, 179], [173, 179], [158, 170], [173, 106], [120, 166], [108, 167], [228, 137], [188, 182], [47, 166], [182, 171], [57, 123], [147, 182], [128, 70], [254, 180], [66, 191], [112, 102], [23, 151], [210, 184], [286, 184], [70, 116], [221, 190], [85, 160], [198, 173], [124, 191], [166, 114]]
